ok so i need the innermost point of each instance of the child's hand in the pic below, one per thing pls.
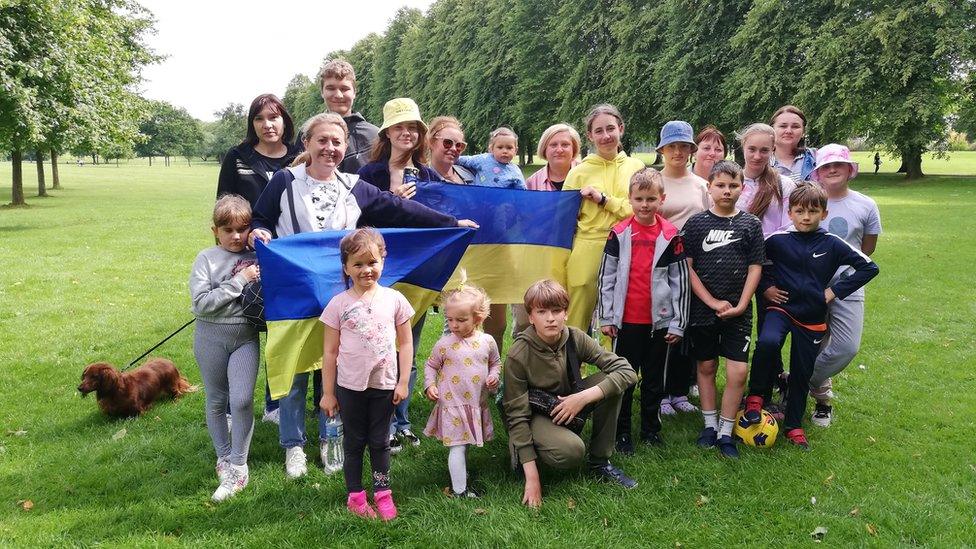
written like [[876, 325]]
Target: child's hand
[[252, 273], [258, 234], [431, 393], [467, 223], [329, 404], [732, 313], [532, 495], [775, 295], [492, 383], [400, 393], [671, 339], [609, 331], [720, 306], [590, 193], [829, 295], [569, 407]]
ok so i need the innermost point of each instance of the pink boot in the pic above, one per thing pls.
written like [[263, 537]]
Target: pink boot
[[384, 504], [357, 504]]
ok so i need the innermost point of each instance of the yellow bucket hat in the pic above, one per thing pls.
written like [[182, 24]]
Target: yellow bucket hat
[[401, 109]]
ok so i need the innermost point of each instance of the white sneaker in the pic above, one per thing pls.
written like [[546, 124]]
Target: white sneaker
[[234, 481], [295, 466], [272, 416], [222, 468], [693, 392], [822, 414], [681, 404]]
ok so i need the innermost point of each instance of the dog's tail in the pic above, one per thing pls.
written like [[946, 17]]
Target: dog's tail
[[183, 386]]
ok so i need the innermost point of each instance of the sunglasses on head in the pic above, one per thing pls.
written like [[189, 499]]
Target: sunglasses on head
[[452, 144]]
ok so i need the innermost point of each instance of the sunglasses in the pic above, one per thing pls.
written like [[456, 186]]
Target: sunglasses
[[452, 144]]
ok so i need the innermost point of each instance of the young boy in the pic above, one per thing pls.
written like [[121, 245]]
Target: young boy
[[538, 359], [644, 300], [796, 283], [855, 218], [337, 82], [725, 250]]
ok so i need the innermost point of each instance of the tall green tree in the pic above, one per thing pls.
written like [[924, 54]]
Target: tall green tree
[[169, 131], [302, 99], [384, 80], [228, 130]]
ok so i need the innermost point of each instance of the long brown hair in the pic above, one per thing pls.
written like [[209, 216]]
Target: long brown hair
[[792, 109], [383, 148], [769, 180]]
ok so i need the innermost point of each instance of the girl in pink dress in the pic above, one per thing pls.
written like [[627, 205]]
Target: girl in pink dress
[[463, 367]]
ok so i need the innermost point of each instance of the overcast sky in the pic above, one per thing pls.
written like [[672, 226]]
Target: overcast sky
[[221, 51]]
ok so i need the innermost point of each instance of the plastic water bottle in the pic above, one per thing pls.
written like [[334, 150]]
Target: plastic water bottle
[[332, 454]]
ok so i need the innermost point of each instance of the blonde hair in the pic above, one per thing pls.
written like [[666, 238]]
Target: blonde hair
[[647, 179], [551, 132], [546, 294], [310, 125], [501, 132], [466, 293], [231, 208], [768, 182], [357, 241], [340, 69]]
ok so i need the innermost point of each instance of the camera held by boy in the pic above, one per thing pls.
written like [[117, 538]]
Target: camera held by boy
[[797, 284], [725, 249], [644, 300]]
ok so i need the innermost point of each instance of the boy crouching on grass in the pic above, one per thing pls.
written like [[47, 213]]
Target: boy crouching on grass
[[546, 357], [800, 263], [644, 299], [725, 250]]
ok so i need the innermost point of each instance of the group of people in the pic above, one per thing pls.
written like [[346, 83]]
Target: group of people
[[664, 263]]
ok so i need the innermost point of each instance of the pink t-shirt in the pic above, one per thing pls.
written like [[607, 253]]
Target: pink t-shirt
[[367, 337]]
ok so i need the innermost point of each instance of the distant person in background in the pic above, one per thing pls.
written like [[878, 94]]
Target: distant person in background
[[337, 82], [248, 167], [793, 158], [711, 148], [445, 141], [603, 180], [687, 195], [877, 162]]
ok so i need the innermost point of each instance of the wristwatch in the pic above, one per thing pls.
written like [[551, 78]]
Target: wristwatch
[[603, 199]]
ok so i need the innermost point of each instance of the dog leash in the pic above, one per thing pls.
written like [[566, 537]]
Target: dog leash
[[156, 346]]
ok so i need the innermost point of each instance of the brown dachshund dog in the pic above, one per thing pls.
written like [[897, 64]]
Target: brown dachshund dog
[[127, 394]]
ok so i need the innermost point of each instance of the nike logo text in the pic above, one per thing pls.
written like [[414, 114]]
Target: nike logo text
[[820, 254], [717, 238]]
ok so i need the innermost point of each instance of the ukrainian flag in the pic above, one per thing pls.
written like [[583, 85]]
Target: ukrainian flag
[[301, 273], [525, 236]]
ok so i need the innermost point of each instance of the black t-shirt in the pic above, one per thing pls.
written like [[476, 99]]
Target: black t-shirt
[[268, 165], [721, 250]]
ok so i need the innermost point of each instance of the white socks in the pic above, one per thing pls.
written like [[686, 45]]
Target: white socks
[[711, 419], [457, 465], [725, 427]]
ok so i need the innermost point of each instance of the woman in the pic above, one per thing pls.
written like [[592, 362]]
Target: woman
[[686, 195], [445, 140], [711, 149], [792, 159], [603, 180], [248, 167], [400, 146], [314, 196]]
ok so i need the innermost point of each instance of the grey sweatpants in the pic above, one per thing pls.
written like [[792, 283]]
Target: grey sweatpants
[[228, 356], [845, 320]]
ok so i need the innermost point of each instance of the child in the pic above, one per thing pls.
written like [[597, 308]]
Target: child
[[495, 168], [644, 295], [855, 218], [361, 377], [800, 266], [725, 249], [540, 359], [225, 345], [462, 365]]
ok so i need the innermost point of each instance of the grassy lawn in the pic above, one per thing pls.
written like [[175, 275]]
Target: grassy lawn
[[99, 270]]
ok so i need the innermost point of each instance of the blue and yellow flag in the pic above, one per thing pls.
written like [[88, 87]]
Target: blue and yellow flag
[[525, 236], [301, 273]]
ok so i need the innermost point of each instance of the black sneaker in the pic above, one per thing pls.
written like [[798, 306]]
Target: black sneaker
[[822, 415], [470, 493], [707, 438], [652, 439], [625, 446], [608, 473], [395, 445], [726, 447], [407, 436]]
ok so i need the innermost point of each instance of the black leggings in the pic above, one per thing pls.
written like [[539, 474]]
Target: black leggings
[[365, 419]]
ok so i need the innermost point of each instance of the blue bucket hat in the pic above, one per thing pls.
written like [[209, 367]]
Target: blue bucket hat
[[677, 131]]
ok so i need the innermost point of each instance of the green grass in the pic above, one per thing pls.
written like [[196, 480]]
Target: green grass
[[98, 271]]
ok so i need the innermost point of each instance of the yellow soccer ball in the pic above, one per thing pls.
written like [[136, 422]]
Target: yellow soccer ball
[[759, 435]]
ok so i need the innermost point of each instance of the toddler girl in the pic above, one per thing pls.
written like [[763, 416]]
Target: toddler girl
[[225, 345], [494, 168], [463, 366], [363, 375]]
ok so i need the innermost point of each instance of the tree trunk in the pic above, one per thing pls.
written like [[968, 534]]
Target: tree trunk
[[17, 194], [41, 185], [94, 159], [912, 161], [55, 178], [150, 161], [116, 162]]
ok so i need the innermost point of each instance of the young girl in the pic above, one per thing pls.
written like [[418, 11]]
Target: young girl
[[363, 375], [766, 192], [225, 345], [462, 365], [855, 218], [792, 158], [494, 168]]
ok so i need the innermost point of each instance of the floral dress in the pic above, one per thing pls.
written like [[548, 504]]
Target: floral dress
[[460, 368]]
